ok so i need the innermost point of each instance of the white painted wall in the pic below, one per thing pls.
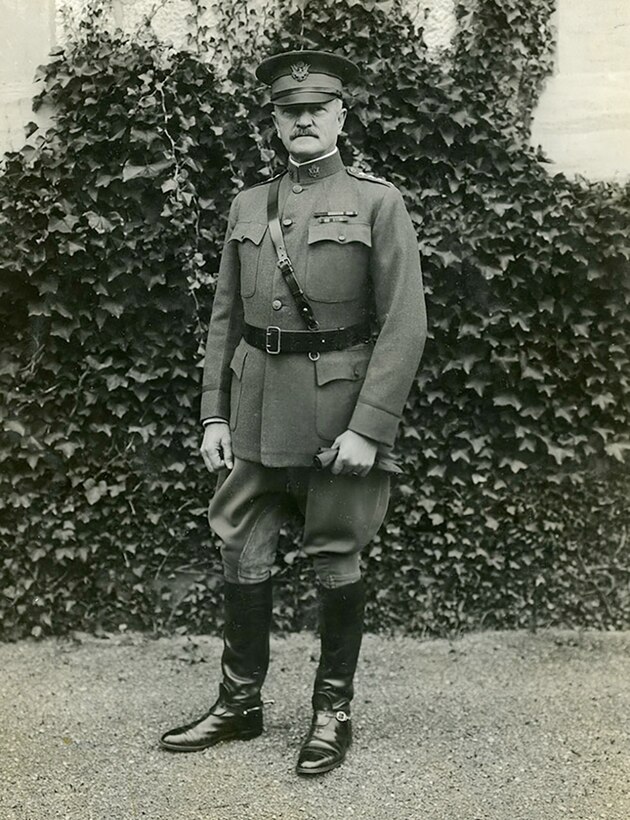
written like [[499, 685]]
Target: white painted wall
[[437, 19], [27, 33], [583, 119]]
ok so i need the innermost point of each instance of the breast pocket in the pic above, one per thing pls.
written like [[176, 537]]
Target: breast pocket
[[338, 261], [249, 236]]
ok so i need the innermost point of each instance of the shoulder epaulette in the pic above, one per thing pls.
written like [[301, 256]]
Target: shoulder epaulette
[[368, 177], [266, 181]]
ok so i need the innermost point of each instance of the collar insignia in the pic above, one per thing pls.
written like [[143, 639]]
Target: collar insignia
[[313, 171], [300, 71]]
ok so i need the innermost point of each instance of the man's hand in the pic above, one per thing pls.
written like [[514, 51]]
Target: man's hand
[[356, 454], [216, 447]]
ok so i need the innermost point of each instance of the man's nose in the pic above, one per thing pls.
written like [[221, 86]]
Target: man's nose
[[304, 118]]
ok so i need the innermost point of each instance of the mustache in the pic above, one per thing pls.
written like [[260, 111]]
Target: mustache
[[303, 132]]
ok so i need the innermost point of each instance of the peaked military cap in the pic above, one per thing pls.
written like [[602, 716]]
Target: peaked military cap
[[306, 76]]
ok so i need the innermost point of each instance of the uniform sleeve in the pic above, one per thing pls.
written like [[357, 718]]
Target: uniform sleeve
[[400, 308], [226, 327]]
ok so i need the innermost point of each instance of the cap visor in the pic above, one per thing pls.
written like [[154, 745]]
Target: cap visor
[[305, 98]]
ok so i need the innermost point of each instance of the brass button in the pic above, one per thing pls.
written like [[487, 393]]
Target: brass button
[[287, 222], [297, 189], [276, 304], [342, 237]]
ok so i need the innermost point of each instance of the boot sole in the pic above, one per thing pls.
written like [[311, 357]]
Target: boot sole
[[314, 772], [174, 747]]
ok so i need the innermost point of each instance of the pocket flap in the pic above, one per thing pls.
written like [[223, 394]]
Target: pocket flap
[[254, 231], [340, 232], [351, 365], [238, 359]]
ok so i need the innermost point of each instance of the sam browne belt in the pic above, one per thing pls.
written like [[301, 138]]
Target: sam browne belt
[[313, 341], [304, 307], [274, 341]]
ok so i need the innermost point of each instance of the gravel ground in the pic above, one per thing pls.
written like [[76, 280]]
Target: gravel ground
[[492, 726]]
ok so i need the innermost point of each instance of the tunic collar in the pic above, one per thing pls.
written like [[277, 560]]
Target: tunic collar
[[314, 169]]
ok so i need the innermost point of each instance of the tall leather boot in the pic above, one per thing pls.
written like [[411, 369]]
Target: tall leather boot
[[237, 714], [341, 630]]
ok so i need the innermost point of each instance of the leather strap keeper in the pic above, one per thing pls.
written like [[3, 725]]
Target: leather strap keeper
[[274, 341]]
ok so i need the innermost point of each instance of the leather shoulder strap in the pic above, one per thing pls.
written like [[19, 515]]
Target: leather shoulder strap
[[284, 263], [267, 181], [273, 220]]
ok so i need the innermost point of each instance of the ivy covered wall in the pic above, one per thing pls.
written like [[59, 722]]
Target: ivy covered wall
[[513, 508], [176, 20]]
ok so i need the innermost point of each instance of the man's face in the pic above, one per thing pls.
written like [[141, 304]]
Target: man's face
[[308, 131]]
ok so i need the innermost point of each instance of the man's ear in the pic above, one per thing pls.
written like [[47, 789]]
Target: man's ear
[[341, 117], [275, 121]]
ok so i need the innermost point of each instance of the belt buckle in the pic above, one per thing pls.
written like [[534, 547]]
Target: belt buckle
[[272, 340]]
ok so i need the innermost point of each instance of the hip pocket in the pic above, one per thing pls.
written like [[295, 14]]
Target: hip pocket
[[340, 375], [237, 365]]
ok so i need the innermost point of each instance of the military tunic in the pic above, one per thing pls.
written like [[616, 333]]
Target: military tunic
[[363, 264]]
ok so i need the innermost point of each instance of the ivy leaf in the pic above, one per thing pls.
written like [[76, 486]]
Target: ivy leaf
[[514, 464], [617, 450], [15, 426], [150, 171], [507, 400], [68, 448], [64, 224], [603, 400], [478, 385], [94, 492], [99, 223]]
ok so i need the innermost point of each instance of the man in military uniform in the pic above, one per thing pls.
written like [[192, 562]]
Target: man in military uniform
[[316, 334]]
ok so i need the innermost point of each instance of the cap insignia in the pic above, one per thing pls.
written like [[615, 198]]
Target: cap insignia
[[300, 71], [313, 171]]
